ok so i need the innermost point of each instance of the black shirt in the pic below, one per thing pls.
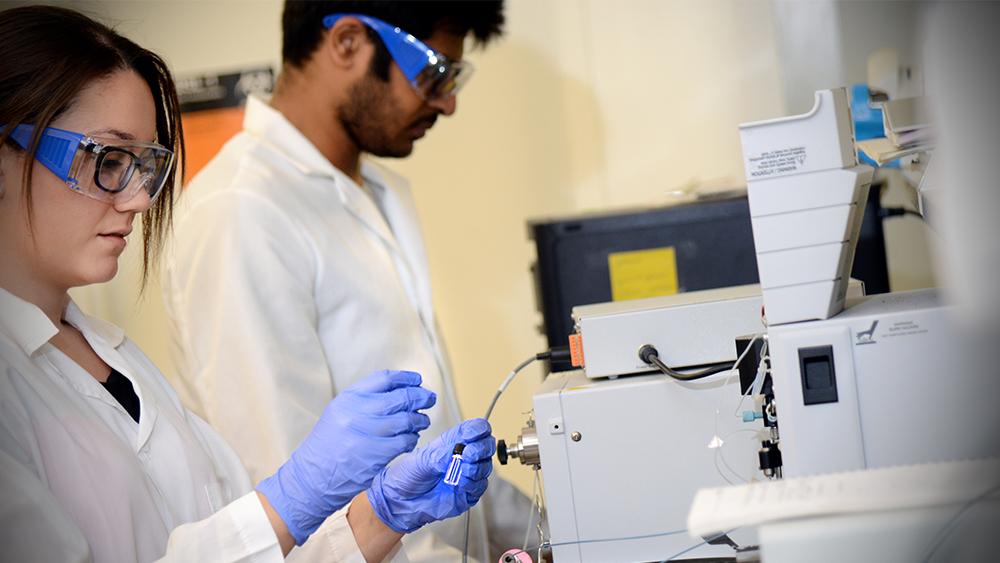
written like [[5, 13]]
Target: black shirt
[[121, 389]]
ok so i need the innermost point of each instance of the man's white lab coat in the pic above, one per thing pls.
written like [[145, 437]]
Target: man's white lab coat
[[286, 284], [80, 480]]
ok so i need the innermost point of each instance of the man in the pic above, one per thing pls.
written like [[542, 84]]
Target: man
[[298, 266]]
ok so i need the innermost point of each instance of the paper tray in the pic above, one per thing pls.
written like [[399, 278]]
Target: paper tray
[[804, 228], [809, 191], [822, 139], [798, 266]]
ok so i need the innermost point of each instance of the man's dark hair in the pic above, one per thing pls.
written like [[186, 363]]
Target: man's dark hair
[[302, 24]]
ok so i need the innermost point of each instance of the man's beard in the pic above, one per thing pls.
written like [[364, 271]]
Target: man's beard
[[367, 114]]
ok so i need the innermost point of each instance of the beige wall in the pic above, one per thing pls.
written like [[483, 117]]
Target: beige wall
[[584, 105]]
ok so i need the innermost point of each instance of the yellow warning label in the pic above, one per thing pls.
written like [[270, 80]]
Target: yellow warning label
[[643, 273]]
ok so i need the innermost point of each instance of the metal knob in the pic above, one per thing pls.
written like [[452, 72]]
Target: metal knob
[[525, 450]]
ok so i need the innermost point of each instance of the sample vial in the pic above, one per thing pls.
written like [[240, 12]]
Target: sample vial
[[455, 468]]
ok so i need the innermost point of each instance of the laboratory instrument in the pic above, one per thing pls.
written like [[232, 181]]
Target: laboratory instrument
[[827, 385]]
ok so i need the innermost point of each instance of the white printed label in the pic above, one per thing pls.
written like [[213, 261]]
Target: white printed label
[[905, 328], [898, 329], [772, 163]]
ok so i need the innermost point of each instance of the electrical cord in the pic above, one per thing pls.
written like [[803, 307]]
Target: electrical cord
[[649, 355], [719, 455], [896, 211], [531, 512], [557, 354], [758, 380]]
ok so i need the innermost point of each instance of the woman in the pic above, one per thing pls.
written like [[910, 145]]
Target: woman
[[98, 459]]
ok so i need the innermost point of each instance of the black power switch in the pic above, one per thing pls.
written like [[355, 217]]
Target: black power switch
[[819, 380]]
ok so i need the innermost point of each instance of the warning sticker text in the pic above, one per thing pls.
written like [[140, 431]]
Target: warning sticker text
[[772, 163]]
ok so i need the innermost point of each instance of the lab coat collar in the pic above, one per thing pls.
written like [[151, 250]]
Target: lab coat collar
[[25, 323], [30, 329], [105, 338], [270, 127], [363, 207], [406, 237], [103, 330]]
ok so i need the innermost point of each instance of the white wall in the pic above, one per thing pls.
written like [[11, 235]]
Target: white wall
[[584, 105]]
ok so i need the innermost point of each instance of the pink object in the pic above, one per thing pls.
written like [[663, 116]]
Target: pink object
[[515, 556]]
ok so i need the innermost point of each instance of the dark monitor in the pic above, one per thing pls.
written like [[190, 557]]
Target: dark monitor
[[712, 244]]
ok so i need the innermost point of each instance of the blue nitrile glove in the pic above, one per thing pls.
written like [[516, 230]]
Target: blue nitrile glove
[[362, 429], [412, 491]]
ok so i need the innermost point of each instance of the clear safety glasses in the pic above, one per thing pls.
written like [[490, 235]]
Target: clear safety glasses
[[431, 74], [108, 170]]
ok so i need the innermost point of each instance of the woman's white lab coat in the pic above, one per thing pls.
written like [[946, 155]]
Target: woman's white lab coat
[[80, 480]]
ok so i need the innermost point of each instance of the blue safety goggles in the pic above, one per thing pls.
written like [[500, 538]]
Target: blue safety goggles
[[431, 74], [108, 170]]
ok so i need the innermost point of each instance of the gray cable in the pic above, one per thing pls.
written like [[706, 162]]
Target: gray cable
[[507, 381]]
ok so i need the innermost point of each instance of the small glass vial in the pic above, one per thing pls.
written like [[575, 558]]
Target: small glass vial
[[455, 468]]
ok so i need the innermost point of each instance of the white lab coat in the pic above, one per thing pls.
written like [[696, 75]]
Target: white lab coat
[[80, 480], [286, 283]]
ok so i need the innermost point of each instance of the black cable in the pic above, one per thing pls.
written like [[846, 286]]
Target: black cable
[[896, 211], [648, 354], [556, 355]]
